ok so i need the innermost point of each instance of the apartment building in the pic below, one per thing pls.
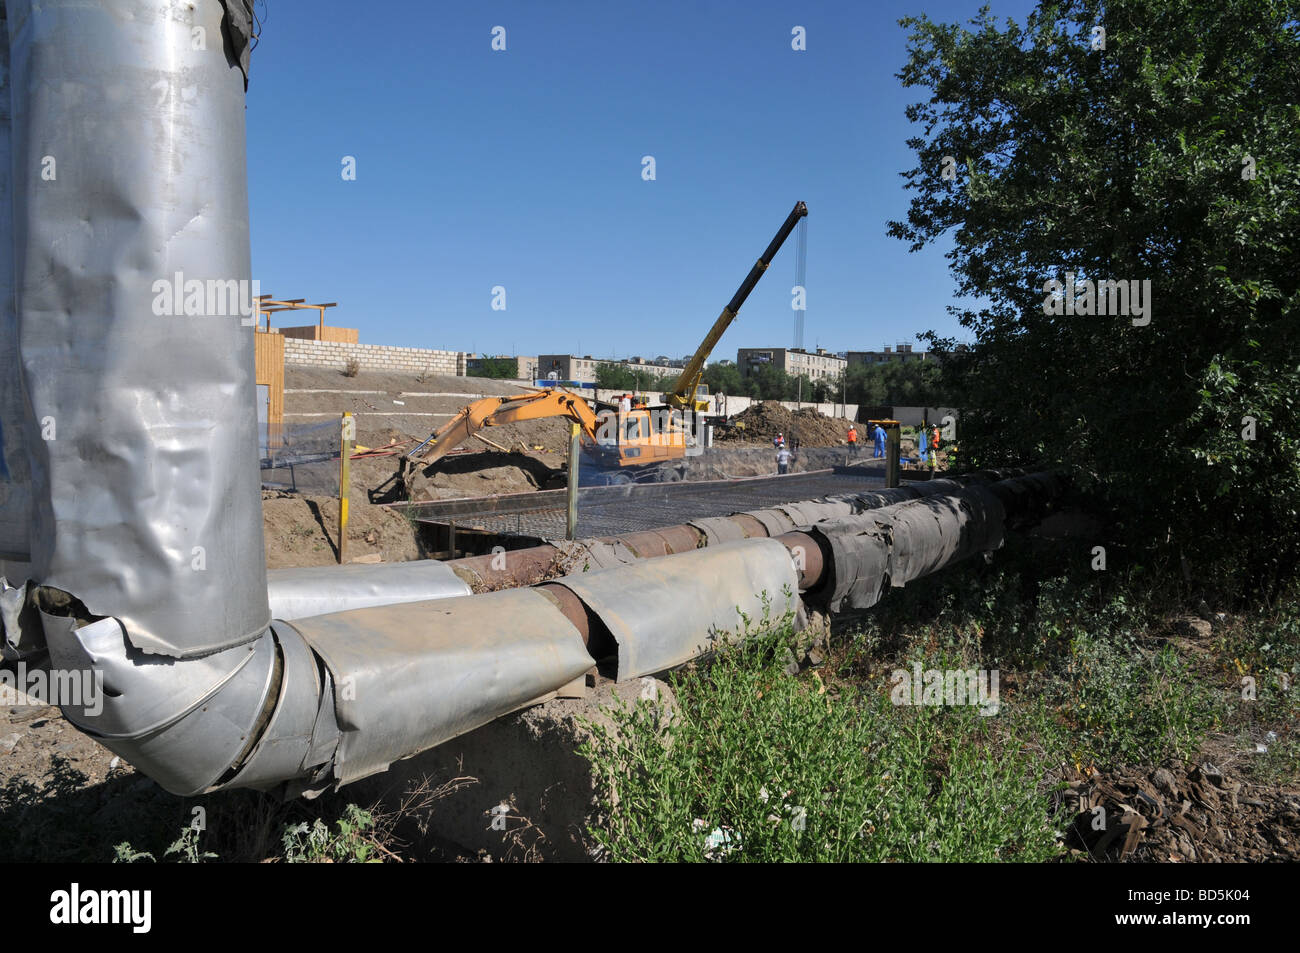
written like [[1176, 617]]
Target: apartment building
[[900, 352], [815, 365]]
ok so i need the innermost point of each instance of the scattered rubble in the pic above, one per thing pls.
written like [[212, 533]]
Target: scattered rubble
[[1176, 815]]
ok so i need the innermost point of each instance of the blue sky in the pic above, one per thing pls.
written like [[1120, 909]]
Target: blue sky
[[522, 169]]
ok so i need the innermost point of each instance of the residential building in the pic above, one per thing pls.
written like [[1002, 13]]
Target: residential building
[[815, 365], [899, 353], [566, 367]]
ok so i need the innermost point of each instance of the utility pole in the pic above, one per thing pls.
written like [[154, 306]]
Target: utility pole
[[571, 522], [345, 480]]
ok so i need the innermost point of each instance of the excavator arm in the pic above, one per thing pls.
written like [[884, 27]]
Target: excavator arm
[[496, 411]]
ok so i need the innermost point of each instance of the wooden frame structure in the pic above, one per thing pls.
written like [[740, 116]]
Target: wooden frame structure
[[266, 305]]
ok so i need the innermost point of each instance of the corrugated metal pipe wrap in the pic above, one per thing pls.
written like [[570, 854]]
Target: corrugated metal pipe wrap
[[896, 544], [132, 426]]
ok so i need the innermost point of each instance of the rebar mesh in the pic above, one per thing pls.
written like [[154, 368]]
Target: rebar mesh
[[303, 458], [542, 515]]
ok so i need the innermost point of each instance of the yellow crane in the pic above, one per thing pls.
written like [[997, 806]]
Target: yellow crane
[[690, 394]]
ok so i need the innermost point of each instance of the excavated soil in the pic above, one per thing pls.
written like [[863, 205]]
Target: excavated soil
[[484, 473], [761, 422]]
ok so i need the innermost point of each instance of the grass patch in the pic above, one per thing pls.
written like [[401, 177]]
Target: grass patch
[[759, 765]]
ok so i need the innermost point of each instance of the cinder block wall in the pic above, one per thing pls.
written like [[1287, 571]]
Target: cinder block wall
[[373, 357], [314, 332]]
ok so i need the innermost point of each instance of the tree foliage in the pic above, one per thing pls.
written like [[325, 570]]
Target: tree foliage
[[621, 377], [906, 383], [1172, 155], [501, 368]]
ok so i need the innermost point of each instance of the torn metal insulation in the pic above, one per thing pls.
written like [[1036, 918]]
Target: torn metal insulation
[[665, 612]]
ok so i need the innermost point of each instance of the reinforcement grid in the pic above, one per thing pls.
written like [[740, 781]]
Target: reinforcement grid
[[660, 505]]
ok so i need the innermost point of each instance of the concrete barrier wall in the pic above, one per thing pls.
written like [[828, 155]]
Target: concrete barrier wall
[[373, 357], [913, 416], [737, 404]]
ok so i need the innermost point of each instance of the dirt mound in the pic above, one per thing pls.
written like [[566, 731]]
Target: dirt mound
[[1177, 815], [480, 474], [763, 421], [304, 531]]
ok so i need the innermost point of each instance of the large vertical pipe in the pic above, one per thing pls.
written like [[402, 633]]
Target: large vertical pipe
[[131, 240]]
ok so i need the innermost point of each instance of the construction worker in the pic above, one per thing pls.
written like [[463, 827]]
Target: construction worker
[[853, 440], [778, 441], [783, 458], [934, 445], [625, 403], [878, 438]]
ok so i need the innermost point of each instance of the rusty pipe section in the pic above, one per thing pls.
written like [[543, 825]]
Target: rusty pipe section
[[527, 566], [329, 699]]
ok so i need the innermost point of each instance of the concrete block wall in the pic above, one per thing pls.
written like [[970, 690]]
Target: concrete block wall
[[736, 403], [373, 357], [912, 416]]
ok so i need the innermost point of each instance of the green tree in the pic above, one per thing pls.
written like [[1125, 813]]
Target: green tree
[[905, 383], [501, 368], [724, 378], [615, 377], [1170, 156], [769, 382]]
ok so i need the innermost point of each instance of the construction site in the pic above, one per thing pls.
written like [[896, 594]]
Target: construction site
[[349, 601]]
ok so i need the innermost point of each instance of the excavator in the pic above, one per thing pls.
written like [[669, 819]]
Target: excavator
[[638, 443]]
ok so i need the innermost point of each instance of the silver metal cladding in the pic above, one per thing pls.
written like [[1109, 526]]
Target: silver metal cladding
[[665, 612], [183, 722], [321, 590], [130, 207], [411, 676]]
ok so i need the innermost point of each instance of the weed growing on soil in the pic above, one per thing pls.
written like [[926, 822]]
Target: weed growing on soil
[[1097, 679], [351, 842], [759, 765]]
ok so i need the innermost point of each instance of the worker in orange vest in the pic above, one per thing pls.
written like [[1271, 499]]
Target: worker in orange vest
[[853, 440]]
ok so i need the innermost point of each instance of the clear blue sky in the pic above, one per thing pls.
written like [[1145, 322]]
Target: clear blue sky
[[523, 169]]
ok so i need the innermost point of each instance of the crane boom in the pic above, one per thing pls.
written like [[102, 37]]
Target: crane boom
[[684, 397]]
